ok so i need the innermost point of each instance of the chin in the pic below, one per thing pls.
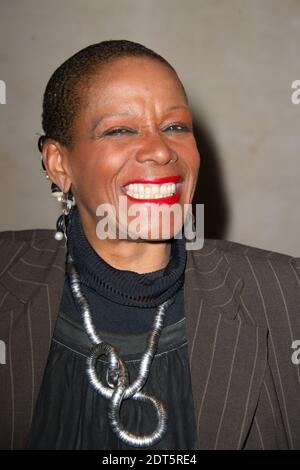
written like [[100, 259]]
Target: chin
[[154, 234]]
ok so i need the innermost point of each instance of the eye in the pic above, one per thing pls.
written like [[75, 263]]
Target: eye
[[178, 127], [118, 131]]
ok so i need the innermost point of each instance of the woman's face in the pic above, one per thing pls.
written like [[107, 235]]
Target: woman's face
[[134, 128]]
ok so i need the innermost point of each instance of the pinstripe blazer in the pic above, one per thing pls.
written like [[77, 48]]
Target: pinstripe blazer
[[242, 308]]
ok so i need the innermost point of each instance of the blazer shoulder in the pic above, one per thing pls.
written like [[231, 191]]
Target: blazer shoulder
[[240, 256], [27, 236], [241, 249], [268, 281], [34, 244]]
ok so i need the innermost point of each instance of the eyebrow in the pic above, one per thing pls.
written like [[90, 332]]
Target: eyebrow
[[178, 107], [105, 116]]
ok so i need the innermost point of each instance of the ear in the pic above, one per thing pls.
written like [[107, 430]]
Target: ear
[[55, 159]]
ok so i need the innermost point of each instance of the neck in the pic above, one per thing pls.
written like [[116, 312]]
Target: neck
[[148, 282], [140, 256]]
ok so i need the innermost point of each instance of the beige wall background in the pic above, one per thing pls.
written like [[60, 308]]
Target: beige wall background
[[237, 60]]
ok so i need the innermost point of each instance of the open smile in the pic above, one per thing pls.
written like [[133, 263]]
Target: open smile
[[155, 190]]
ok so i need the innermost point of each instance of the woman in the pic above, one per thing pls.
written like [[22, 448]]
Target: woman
[[125, 343]]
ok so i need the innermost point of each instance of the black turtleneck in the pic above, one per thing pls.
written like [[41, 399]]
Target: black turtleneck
[[123, 305], [123, 301]]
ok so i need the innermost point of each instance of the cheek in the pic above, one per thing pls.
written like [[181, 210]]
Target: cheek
[[193, 161], [95, 171], [193, 164], [196, 160]]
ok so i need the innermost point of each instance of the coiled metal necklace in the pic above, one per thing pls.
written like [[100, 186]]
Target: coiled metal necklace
[[117, 376]]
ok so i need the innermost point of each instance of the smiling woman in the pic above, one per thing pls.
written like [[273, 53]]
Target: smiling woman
[[133, 124], [136, 342]]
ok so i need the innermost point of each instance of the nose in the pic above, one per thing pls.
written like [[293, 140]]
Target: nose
[[156, 149]]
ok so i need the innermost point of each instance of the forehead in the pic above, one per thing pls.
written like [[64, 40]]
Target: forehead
[[132, 77]]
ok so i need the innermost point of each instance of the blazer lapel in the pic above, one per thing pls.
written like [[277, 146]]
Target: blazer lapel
[[34, 285], [227, 355]]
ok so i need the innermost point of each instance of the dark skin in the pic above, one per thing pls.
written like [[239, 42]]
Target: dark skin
[[99, 164]]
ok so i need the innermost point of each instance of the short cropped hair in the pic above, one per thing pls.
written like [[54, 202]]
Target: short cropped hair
[[63, 93]]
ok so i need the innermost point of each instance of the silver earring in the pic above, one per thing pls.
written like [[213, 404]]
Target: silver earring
[[41, 141], [67, 201], [43, 171]]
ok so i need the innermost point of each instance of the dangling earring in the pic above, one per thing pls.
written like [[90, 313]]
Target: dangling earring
[[68, 201]]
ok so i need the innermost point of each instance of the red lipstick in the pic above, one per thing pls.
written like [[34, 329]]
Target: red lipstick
[[151, 180], [163, 200]]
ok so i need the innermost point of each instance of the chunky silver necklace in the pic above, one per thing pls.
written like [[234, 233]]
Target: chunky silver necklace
[[117, 375]]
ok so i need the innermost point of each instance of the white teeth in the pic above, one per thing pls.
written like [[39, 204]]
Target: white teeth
[[150, 191], [155, 190]]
